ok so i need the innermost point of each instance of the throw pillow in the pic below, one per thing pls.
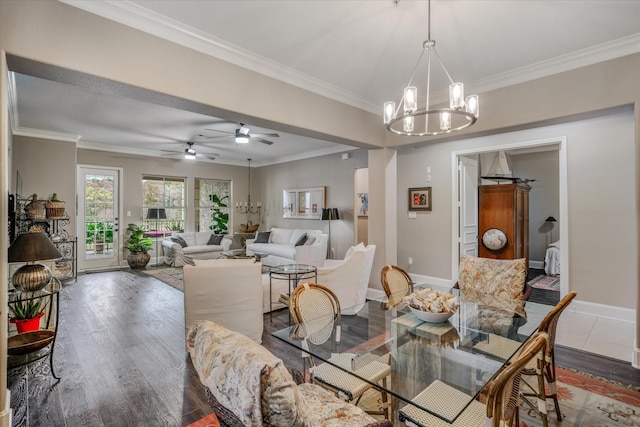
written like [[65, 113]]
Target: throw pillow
[[179, 240], [262, 237], [301, 240], [215, 239]]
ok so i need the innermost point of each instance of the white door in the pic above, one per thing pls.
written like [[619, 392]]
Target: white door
[[468, 205], [98, 225]]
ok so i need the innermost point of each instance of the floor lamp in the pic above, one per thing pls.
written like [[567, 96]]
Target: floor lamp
[[156, 213], [330, 214]]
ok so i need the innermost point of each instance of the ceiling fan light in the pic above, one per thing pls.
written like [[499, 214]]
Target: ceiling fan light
[[243, 130], [242, 139], [189, 153]]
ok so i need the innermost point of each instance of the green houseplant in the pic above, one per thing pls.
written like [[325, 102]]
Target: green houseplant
[[138, 246], [26, 314], [220, 219]]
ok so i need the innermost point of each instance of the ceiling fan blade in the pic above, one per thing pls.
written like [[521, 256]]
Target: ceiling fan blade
[[264, 141], [221, 131], [206, 156], [264, 135], [171, 152]]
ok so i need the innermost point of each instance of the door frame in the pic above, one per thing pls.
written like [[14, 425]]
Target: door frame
[[561, 141], [119, 250]]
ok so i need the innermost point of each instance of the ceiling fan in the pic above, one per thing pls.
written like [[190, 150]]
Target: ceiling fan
[[242, 135], [190, 153]]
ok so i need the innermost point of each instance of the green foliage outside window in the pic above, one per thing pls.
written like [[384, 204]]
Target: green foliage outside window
[[220, 218]]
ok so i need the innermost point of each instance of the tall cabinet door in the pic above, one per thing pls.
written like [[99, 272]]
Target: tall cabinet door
[[504, 221]]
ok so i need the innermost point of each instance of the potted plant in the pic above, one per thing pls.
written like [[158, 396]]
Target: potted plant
[[220, 219], [138, 246], [27, 313]]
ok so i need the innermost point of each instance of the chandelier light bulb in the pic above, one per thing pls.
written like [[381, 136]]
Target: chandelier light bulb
[[473, 105], [410, 99], [445, 120], [456, 96], [407, 125], [389, 111]]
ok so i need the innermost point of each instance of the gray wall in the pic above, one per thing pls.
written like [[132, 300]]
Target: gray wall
[[330, 171], [603, 256]]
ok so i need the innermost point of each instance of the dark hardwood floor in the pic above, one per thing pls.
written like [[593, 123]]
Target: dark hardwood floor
[[122, 362]]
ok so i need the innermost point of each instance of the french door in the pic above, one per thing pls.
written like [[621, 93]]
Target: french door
[[468, 202], [98, 218]]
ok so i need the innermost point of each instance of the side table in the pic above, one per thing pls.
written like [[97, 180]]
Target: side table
[[293, 273], [28, 347]]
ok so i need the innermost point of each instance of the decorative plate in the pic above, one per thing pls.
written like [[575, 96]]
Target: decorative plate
[[494, 239]]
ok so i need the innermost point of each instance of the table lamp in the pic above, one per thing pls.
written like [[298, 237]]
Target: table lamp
[[31, 247]]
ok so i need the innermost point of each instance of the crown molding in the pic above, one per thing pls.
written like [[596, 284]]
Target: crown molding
[[46, 134], [135, 16]]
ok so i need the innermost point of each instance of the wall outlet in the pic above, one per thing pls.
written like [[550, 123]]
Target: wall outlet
[[333, 251], [410, 261]]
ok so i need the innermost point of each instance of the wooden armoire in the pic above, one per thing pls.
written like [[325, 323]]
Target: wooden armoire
[[506, 208]]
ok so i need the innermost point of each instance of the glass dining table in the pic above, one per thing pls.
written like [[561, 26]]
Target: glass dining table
[[456, 352]]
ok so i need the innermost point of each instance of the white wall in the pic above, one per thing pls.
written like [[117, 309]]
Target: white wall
[[603, 235]]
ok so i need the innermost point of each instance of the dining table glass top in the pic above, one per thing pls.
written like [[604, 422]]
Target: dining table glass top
[[458, 352]]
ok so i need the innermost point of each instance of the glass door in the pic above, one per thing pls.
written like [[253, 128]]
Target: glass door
[[98, 243]]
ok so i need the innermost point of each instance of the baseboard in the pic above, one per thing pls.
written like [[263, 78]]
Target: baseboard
[[635, 359], [539, 265], [605, 311]]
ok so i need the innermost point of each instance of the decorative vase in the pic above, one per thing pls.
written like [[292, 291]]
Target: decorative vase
[[55, 208], [27, 325], [35, 209], [138, 260]]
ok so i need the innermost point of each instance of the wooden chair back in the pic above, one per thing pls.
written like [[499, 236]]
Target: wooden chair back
[[550, 321], [396, 284], [503, 397]]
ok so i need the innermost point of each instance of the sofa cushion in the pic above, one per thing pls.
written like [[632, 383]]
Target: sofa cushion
[[280, 235], [295, 236], [262, 237], [179, 240], [281, 250], [301, 240], [189, 250], [215, 239]]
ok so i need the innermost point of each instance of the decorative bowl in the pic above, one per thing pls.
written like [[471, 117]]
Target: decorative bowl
[[428, 316]]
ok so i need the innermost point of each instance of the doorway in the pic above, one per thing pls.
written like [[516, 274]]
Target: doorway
[[98, 218], [361, 204], [461, 199]]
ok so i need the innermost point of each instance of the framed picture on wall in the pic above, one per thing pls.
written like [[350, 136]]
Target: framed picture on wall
[[303, 203], [420, 199]]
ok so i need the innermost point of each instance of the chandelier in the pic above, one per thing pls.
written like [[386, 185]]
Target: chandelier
[[248, 207], [408, 120]]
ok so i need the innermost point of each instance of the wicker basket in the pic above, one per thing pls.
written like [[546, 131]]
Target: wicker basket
[[35, 209], [248, 227], [55, 208]]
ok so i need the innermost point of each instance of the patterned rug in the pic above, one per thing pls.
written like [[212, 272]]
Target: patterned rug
[[550, 283], [172, 276]]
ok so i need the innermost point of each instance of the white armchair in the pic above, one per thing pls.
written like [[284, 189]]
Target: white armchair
[[225, 291], [349, 278]]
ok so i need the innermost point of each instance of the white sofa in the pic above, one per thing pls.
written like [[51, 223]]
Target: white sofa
[[281, 247], [177, 256]]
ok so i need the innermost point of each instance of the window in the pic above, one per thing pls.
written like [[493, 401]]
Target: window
[[168, 196], [204, 214]]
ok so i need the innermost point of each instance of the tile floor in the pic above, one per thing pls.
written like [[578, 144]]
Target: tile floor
[[594, 334]]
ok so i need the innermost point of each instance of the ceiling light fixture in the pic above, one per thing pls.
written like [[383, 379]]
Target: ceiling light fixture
[[248, 207], [462, 112], [189, 153], [242, 134]]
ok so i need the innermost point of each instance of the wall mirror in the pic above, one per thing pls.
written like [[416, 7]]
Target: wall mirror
[[303, 203]]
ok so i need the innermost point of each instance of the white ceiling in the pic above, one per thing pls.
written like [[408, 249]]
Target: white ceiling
[[358, 52]]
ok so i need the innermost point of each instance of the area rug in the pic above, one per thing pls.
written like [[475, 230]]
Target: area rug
[[172, 276], [585, 401], [209, 421], [550, 283]]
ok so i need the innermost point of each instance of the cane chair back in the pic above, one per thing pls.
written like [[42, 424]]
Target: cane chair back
[[315, 308], [396, 284]]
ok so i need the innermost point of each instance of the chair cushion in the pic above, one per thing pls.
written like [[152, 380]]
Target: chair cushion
[[501, 278]]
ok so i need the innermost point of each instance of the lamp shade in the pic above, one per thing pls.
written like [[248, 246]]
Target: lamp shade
[[330, 214], [156, 213], [550, 219], [30, 247]]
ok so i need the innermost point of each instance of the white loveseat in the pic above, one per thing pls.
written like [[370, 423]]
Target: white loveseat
[[197, 248], [281, 247]]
